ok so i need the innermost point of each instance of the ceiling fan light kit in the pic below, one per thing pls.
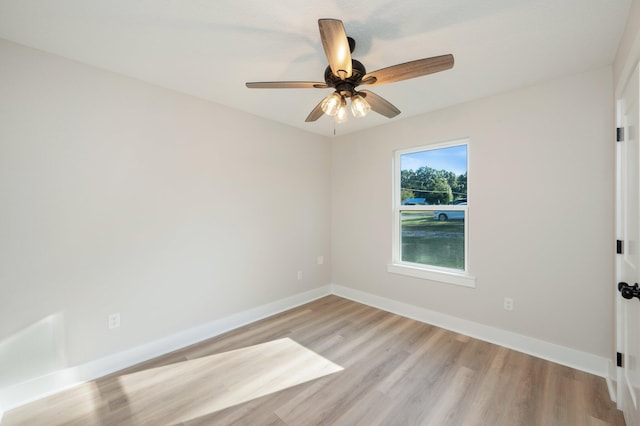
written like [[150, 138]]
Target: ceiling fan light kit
[[335, 105], [344, 74]]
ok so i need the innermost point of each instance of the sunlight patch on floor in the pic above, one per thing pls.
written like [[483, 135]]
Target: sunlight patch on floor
[[220, 381]]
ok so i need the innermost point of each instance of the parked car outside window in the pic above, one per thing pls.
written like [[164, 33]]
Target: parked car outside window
[[443, 215]]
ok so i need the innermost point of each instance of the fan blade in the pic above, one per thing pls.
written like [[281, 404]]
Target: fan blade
[[315, 114], [379, 104], [336, 46], [408, 70], [286, 85]]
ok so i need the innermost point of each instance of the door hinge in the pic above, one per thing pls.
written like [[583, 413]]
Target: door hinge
[[619, 247], [619, 358], [619, 134]]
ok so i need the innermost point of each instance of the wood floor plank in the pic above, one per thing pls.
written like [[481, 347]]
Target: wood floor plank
[[396, 371]]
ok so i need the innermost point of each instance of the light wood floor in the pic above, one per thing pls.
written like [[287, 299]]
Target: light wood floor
[[373, 367]]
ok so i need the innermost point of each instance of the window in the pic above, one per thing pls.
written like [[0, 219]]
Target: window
[[431, 213]]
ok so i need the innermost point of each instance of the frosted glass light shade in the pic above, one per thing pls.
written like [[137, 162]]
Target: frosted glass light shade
[[341, 114], [359, 106], [331, 104]]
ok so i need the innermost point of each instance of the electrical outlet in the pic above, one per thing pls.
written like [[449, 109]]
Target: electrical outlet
[[508, 304], [299, 275], [114, 321], [320, 260]]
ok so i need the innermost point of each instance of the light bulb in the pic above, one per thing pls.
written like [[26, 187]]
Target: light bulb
[[359, 106], [331, 103], [341, 114]]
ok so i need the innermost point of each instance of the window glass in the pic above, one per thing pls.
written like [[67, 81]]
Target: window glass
[[432, 207], [434, 176], [429, 241]]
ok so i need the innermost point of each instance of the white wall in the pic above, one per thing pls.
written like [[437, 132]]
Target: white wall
[[541, 185], [119, 196]]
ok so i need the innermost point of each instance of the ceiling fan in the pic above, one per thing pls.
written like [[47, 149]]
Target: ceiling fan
[[345, 74]]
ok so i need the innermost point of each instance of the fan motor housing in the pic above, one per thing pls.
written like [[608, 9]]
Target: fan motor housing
[[347, 86]]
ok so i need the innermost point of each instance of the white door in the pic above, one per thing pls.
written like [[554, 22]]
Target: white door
[[628, 265]]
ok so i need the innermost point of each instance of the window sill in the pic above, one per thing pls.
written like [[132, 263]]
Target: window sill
[[448, 277]]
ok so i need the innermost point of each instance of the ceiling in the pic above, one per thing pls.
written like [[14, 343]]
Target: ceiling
[[209, 49]]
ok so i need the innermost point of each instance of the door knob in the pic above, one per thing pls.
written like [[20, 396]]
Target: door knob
[[629, 291]]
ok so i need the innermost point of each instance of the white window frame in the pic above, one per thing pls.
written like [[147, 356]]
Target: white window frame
[[417, 270]]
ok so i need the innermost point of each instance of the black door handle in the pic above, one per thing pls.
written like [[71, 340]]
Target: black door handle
[[629, 291]]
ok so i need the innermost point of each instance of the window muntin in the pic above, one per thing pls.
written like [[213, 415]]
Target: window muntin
[[431, 209]]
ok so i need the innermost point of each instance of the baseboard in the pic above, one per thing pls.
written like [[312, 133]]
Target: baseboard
[[22, 393], [550, 351]]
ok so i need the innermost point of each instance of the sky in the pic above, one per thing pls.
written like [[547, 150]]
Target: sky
[[453, 159]]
